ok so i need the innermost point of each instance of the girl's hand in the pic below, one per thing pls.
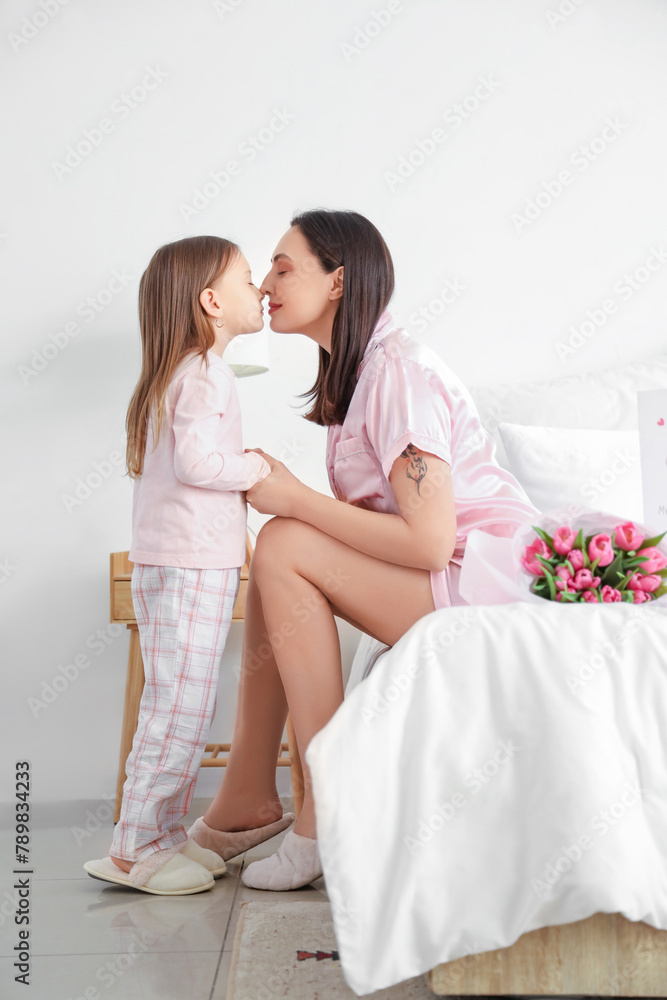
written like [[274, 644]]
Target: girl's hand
[[277, 494]]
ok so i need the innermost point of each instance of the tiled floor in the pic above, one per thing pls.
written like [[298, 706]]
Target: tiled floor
[[96, 941]]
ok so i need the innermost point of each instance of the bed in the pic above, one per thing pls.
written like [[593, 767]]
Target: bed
[[491, 796]]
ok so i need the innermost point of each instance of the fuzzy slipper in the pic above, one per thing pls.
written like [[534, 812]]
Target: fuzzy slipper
[[296, 863], [207, 859], [163, 873], [229, 845]]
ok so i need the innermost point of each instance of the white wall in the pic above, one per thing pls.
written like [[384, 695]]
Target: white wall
[[360, 100]]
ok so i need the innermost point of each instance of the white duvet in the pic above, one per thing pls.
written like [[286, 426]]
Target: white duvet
[[501, 768]]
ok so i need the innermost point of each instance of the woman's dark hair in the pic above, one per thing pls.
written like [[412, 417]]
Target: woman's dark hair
[[350, 240]]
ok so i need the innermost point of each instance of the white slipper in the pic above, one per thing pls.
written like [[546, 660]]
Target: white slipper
[[163, 873], [209, 860], [296, 863]]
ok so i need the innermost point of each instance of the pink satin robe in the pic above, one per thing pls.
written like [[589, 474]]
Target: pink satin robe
[[406, 394]]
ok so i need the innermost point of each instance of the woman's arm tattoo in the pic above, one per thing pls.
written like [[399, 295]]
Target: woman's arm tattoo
[[417, 467]]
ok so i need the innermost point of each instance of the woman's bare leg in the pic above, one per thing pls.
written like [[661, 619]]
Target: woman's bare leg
[[305, 578], [247, 796]]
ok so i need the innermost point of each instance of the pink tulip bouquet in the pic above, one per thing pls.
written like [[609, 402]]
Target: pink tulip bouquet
[[619, 564]]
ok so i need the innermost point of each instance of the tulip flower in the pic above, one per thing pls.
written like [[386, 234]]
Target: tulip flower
[[638, 581], [628, 537], [656, 560], [564, 540], [563, 577], [590, 597], [600, 548], [529, 560], [576, 557], [584, 579]]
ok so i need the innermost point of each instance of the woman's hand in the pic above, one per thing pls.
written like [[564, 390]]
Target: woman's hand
[[277, 494]]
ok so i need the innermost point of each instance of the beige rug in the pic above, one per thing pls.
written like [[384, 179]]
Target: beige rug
[[288, 950]]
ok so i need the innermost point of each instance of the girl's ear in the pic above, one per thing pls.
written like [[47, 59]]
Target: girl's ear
[[337, 284], [209, 301]]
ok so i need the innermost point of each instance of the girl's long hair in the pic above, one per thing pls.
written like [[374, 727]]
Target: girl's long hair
[[350, 240], [173, 323]]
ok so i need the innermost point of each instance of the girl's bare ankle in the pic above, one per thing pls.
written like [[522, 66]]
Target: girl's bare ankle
[[124, 866]]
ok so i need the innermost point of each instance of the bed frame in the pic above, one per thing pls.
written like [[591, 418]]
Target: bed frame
[[604, 956]]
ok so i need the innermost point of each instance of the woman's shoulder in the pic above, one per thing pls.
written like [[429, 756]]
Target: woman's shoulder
[[398, 350]]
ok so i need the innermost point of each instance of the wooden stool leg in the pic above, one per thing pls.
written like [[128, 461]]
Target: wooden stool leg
[[296, 768], [134, 686]]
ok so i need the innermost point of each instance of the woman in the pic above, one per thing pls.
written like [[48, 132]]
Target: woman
[[412, 472]]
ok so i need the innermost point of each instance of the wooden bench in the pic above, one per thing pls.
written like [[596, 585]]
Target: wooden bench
[[216, 754]]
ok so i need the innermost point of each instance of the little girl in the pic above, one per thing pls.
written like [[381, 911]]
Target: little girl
[[189, 519]]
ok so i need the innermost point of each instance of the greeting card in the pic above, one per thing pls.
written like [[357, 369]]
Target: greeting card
[[652, 411]]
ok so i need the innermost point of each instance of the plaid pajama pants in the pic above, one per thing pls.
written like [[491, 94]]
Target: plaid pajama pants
[[183, 617]]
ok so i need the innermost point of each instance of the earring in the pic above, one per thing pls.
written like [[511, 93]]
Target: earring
[[219, 325]]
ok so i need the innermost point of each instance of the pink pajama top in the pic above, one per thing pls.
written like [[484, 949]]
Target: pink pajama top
[[189, 506], [406, 394]]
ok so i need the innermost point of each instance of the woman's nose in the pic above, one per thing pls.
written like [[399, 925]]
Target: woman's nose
[[265, 286]]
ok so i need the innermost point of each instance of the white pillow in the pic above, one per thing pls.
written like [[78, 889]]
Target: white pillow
[[558, 465], [606, 398]]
